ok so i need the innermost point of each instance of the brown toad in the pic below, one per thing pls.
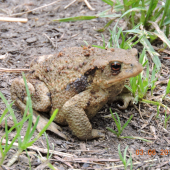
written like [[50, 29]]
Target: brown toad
[[78, 81]]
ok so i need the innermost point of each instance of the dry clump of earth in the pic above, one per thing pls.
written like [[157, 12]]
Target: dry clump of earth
[[20, 43]]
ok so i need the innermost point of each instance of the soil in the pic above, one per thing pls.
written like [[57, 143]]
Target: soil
[[21, 42]]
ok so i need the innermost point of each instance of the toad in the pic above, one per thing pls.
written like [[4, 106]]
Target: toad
[[78, 81]]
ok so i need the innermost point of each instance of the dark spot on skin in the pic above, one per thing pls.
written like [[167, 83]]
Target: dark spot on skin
[[48, 94], [90, 71], [78, 85], [92, 92], [22, 95], [95, 97], [86, 53], [88, 103], [47, 69], [81, 65], [85, 62]]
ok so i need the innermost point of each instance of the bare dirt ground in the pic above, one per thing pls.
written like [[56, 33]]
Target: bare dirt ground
[[21, 42]]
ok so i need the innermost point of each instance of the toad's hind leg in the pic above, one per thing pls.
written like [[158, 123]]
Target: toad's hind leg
[[39, 94], [76, 114], [40, 101]]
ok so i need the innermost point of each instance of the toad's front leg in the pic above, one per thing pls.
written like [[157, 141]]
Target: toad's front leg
[[41, 101], [79, 109]]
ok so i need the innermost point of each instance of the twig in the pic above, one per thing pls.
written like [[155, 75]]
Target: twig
[[70, 4], [88, 5], [18, 14], [166, 58], [61, 37], [49, 40], [13, 70], [136, 163], [161, 50], [91, 160], [9, 19], [139, 112], [86, 2], [63, 161], [42, 150]]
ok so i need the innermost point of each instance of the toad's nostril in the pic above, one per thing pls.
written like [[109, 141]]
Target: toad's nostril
[[131, 65]]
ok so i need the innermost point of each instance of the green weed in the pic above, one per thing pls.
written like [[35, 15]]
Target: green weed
[[46, 160], [118, 124], [27, 141], [125, 162], [166, 120], [120, 128]]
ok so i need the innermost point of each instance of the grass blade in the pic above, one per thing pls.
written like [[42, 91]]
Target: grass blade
[[124, 158], [114, 118], [119, 123], [152, 6], [44, 129], [154, 55], [4, 113], [33, 129], [111, 130], [160, 34], [133, 9], [109, 2], [166, 11], [127, 122], [9, 108], [131, 137], [79, 18], [107, 25], [120, 154]]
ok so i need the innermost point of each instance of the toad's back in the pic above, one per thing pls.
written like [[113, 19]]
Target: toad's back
[[59, 70]]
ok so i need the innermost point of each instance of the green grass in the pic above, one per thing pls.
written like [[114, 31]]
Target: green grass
[[140, 84], [134, 12], [118, 124], [166, 120], [125, 162], [120, 128], [27, 141]]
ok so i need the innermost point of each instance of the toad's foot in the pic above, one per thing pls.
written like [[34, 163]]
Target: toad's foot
[[86, 2], [126, 98], [42, 121]]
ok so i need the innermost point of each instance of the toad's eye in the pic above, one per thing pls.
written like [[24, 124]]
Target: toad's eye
[[116, 67]]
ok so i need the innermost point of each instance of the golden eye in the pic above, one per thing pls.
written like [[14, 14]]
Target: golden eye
[[115, 67]]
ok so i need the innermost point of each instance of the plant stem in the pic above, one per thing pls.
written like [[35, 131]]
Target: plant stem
[[14, 158], [126, 8], [142, 19], [167, 4], [2, 158]]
